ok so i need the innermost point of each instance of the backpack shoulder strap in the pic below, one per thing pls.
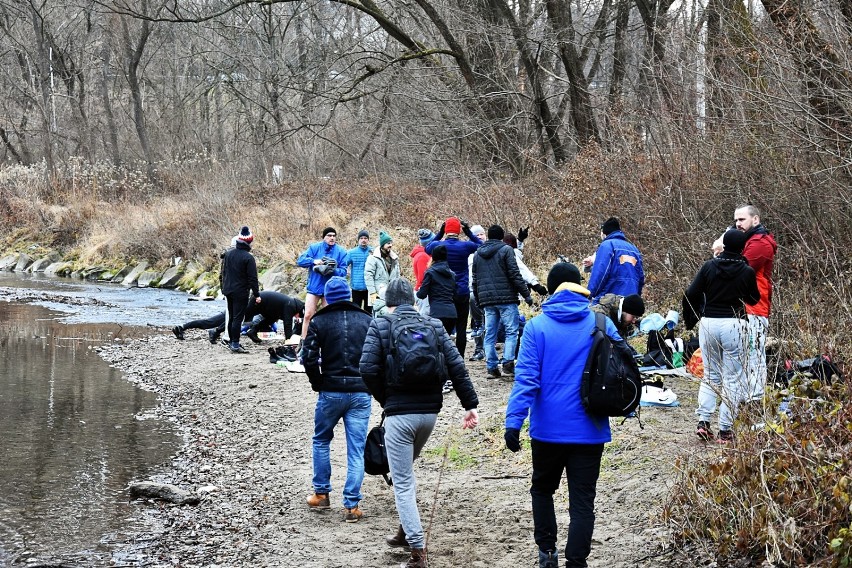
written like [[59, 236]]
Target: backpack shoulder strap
[[600, 322]]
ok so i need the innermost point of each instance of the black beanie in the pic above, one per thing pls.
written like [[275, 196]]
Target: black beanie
[[328, 230], [496, 232], [734, 241], [610, 226], [439, 253], [633, 305], [560, 273]]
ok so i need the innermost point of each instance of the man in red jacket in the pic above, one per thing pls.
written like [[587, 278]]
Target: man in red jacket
[[759, 251]]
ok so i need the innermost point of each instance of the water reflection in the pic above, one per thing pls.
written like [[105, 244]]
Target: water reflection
[[71, 435]]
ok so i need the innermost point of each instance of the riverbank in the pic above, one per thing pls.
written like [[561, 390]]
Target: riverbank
[[247, 425]]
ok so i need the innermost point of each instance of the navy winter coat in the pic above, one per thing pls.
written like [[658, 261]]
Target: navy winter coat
[[333, 346]]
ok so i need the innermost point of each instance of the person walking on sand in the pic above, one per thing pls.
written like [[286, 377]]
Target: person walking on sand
[[458, 252], [382, 266], [323, 260], [238, 280], [715, 301], [357, 259], [411, 407], [332, 355], [564, 438]]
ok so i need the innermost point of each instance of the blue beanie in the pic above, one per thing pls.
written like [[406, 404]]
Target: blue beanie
[[337, 290], [426, 236]]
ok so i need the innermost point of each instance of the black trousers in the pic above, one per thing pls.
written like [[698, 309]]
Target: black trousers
[[462, 308], [359, 298], [237, 304], [216, 322], [477, 317], [582, 465]]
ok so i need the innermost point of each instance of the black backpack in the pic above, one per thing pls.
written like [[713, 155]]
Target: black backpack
[[611, 384], [657, 352], [415, 360], [375, 453]]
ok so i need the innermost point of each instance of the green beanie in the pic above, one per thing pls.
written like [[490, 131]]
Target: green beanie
[[384, 239]]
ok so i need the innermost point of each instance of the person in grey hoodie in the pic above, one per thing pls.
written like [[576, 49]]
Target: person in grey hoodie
[[497, 283]]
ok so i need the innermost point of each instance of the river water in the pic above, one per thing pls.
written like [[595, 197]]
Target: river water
[[73, 432]]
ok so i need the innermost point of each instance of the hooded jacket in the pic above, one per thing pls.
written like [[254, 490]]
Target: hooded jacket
[[316, 251], [333, 347], [617, 269], [239, 271], [400, 401], [720, 289], [357, 260], [760, 252], [496, 278], [439, 285], [549, 369], [419, 264], [377, 276]]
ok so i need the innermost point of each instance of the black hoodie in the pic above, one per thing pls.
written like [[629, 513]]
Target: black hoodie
[[439, 285], [721, 289]]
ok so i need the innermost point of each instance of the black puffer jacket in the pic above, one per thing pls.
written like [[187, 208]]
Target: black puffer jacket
[[398, 401], [333, 346], [496, 278], [274, 306], [439, 285], [239, 271], [721, 289]]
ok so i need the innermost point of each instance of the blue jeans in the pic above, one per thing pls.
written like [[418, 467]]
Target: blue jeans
[[354, 408], [507, 314]]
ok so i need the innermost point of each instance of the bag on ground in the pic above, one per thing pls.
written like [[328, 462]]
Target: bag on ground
[[611, 384], [415, 359], [375, 453]]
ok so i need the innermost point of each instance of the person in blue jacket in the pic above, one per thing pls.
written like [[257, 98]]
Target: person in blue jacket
[[617, 264], [457, 253], [357, 260], [323, 260], [564, 438]]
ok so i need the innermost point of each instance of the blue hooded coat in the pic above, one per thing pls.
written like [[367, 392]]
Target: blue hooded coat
[[617, 268], [549, 368], [316, 281]]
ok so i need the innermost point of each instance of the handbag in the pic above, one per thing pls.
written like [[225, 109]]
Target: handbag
[[375, 453]]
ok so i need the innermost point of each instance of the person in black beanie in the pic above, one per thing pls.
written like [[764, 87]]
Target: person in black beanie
[[616, 266], [497, 283]]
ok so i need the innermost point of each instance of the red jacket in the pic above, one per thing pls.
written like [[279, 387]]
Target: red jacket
[[419, 263], [760, 251]]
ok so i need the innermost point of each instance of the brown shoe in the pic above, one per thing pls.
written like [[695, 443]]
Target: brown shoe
[[319, 501], [398, 539], [416, 560], [352, 515]]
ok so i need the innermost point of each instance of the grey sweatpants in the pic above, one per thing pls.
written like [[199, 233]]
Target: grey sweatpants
[[405, 436]]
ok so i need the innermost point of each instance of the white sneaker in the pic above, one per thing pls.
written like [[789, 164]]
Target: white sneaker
[[448, 386]]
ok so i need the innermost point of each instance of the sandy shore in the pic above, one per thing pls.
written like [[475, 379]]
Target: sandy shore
[[247, 426]]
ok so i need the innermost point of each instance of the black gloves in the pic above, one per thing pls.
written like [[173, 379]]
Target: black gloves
[[539, 289], [523, 233], [513, 439], [529, 300]]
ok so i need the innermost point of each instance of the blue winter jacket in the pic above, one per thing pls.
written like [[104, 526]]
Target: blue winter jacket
[[357, 259], [617, 268], [457, 253], [548, 370], [316, 281]]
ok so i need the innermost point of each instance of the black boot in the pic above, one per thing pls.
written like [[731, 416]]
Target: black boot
[[398, 539], [273, 357], [178, 331], [251, 333]]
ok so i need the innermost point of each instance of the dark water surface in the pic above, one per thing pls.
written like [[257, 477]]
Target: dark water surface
[[73, 432]]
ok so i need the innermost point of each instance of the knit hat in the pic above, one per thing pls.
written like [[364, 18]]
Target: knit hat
[[426, 236], [439, 253], [362, 233], [399, 293], [734, 241], [452, 226], [610, 226], [633, 305], [384, 239], [560, 273], [245, 235], [328, 230], [511, 240], [337, 290], [477, 230], [496, 232]]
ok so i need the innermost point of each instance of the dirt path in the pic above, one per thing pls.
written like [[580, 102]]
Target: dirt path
[[248, 426]]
